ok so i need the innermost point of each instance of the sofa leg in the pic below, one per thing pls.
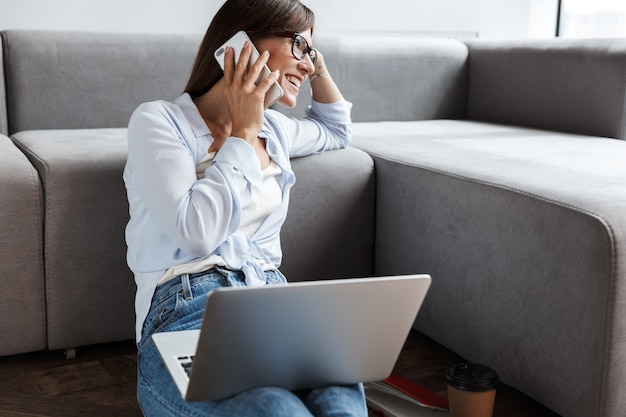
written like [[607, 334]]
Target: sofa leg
[[70, 353]]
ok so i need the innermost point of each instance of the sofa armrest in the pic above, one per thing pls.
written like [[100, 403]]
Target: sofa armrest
[[568, 85], [4, 128], [22, 298], [89, 288], [523, 232]]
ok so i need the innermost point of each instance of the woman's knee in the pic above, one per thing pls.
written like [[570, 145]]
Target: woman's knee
[[265, 402], [339, 400]]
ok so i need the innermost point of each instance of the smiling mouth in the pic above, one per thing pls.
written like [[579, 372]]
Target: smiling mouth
[[293, 80]]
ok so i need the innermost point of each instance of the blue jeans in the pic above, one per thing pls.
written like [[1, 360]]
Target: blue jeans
[[178, 305]]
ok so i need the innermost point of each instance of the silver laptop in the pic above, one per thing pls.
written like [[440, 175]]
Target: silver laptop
[[295, 336]]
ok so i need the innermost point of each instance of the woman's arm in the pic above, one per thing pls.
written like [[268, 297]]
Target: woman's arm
[[327, 124], [197, 214]]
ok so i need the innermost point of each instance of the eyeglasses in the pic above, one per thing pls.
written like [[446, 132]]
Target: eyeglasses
[[299, 46]]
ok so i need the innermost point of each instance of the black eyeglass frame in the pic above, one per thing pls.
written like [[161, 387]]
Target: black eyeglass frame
[[296, 36]]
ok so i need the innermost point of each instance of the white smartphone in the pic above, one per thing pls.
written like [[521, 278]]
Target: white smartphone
[[236, 42]]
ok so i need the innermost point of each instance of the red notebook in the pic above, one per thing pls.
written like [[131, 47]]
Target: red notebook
[[417, 392], [397, 396]]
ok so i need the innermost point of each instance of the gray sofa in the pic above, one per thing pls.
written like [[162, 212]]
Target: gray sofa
[[495, 166]]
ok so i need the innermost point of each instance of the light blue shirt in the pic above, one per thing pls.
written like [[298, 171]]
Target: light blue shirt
[[176, 218]]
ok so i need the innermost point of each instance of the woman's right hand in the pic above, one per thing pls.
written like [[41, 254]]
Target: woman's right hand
[[245, 99]]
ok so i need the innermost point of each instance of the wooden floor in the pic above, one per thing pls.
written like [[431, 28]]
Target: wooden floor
[[101, 381]]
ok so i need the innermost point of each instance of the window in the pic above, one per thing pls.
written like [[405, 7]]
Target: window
[[591, 18]]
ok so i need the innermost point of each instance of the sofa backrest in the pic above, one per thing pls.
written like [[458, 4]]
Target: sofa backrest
[[568, 85], [71, 80], [65, 80], [394, 78]]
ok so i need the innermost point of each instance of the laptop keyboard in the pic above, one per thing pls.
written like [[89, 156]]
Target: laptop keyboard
[[186, 362]]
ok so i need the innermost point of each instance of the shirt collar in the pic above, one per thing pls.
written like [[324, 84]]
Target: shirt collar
[[192, 114], [200, 128]]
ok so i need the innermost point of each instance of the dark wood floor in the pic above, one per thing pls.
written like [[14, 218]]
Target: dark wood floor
[[100, 382]]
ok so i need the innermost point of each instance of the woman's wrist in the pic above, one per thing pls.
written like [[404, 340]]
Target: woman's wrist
[[321, 74], [320, 70], [247, 135], [324, 91]]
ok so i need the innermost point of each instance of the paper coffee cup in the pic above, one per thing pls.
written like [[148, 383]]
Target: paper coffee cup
[[471, 390]]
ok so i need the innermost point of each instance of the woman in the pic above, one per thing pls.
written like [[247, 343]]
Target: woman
[[208, 179]]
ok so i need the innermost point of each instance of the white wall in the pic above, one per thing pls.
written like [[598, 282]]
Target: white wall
[[484, 18], [542, 18], [182, 16]]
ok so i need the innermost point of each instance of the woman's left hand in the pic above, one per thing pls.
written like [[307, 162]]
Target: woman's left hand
[[324, 88], [320, 66]]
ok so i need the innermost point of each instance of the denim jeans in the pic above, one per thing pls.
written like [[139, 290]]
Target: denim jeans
[[179, 305]]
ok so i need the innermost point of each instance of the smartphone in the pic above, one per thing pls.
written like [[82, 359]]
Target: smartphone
[[236, 42]]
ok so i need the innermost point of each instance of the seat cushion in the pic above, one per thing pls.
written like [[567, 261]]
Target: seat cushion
[[329, 230]]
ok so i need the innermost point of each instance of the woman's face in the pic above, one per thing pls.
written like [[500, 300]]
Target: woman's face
[[293, 72]]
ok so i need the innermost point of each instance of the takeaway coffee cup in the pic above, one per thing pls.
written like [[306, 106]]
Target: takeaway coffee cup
[[471, 390]]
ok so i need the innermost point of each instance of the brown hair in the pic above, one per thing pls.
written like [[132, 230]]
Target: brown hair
[[259, 18]]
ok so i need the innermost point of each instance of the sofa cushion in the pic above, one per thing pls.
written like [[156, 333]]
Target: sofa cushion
[[89, 288], [568, 85], [523, 232], [22, 302], [76, 80], [329, 230], [396, 78]]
